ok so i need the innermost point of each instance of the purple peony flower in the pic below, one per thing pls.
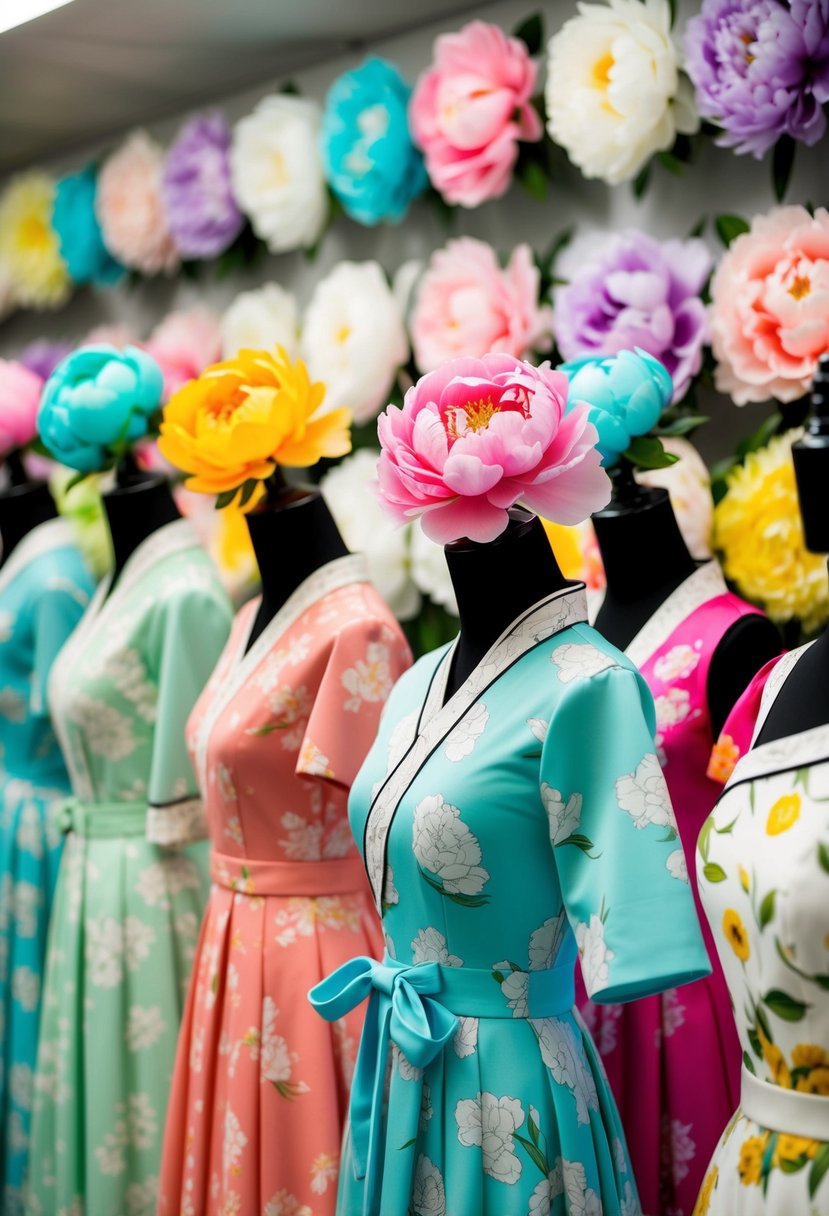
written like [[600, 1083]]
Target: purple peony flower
[[198, 198], [630, 290], [760, 69], [42, 356]]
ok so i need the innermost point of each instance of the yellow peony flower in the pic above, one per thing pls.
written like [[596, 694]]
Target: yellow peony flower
[[751, 1159], [758, 530], [792, 1148], [239, 419], [704, 1198], [783, 815], [29, 250], [232, 550], [735, 933]]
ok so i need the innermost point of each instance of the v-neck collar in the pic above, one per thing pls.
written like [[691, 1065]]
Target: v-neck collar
[[706, 583], [427, 730], [43, 538]]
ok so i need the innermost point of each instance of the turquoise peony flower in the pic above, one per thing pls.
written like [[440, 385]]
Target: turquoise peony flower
[[626, 392], [371, 163], [97, 402], [81, 245]]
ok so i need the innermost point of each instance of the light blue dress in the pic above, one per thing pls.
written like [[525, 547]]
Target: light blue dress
[[521, 825], [44, 588]]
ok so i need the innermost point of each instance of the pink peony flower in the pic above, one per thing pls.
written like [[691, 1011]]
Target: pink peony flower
[[478, 435], [770, 306], [469, 110], [19, 400], [183, 345], [465, 304], [130, 207]]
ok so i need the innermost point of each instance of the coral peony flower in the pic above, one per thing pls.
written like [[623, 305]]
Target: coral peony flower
[[470, 109], [624, 394], [759, 531], [97, 402], [371, 164], [130, 207], [625, 291], [770, 306], [465, 304], [244, 416], [43, 356], [20, 391], [79, 234], [262, 319], [761, 70], [29, 245], [353, 335], [615, 94], [201, 210], [276, 169], [688, 483], [183, 345], [478, 435]]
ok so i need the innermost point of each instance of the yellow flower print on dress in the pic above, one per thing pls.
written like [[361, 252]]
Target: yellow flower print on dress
[[793, 1149], [808, 1055], [816, 1082], [736, 935], [751, 1159], [783, 815], [776, 1061], [704, 1200], [744, 879]]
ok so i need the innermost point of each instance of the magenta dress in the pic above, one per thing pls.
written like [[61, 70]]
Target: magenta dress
[[673, 1060]]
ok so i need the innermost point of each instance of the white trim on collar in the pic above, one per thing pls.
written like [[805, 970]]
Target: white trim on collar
[[705, 584], [43, 538]]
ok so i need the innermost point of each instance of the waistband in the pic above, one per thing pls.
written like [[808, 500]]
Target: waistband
[[103, 820], [784, 1110], [314, 879]]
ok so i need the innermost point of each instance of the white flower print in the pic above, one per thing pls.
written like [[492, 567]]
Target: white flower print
[[106, 731], [579, 661], [488, 1122], [581, 1200], [677, 865], [399, 739], [267, 677], [227, 789], [233, 831], [547, 1191], [630, 1202], [26, 988], [162, 881], [428, 1191], [465, 1041], [30, 831], [605, 1029], [682, 1149], [463, 738], [313, 761], [562, 1052], [135, 1127], [324, 1171], [673, 1012], [26, 900], [298, 650], [444, 846], [644, 795], [141, 1197], [126, 671], [12, 705], [233, 1144], [406, 1071], [104, 951], [391, 895], [289, 710], [677, 663], [430, 947], [369, 679], [594, 953], [515, 987], [539, 728], [285, 1204], [145, 1026], [301, 916], [564, 819], [426, 1111], [138, 938], [545, 942], [6, 622], [21, 1085], [672, 707], [276, 1061], [304, 839]]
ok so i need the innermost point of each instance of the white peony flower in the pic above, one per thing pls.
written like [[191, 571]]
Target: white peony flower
[[516, 989], [594, 953], [672, 707], [563, 1053], [430, 947], [581, 1200], [367, 529], [428, 1192], [545, 942], [26, 988], [579, 660], [677, 865], [673, 1012], [488, 1123], [465, 1041], [465, 735], [261, 320], [277, 173], [547, 1191], [615, 94], [145, 1026], [431, 573], [539, 728], [683, 1149], [688, 483], [564, 820], [353, 338], [644, 795], [677, 663], [444, 846]]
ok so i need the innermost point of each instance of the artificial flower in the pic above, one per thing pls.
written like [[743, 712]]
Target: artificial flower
[[130, 207], [183, 345], [577, 553], [371, 164], [478, 435], [471, 108], [20, 391], [430, 571], [43, 356], [619, 292], [79, 234], [615, 94], [624, 394], [353, 335], [770, 306], [96, 403], [688, 483], [225, 536], [760, 69], [29, 249], [367, 529], [244, 416], [201, 211], [262, 319], [276, 169], [758, 530], [7, 298], [466, 304]]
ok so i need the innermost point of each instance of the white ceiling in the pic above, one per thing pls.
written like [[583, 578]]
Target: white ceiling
[[95, 67]]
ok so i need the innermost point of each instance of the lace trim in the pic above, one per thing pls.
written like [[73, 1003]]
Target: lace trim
[[697, 589], [777, 678], [180, 823]]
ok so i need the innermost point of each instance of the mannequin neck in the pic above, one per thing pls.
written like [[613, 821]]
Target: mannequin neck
[[803, 701], [139, 504], [293, 534], [23, 506], [494, 583]]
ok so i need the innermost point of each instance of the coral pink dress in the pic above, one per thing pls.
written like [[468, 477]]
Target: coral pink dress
[[261, 1083], [673, 1060]]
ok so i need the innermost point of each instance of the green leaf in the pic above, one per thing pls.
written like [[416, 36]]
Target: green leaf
[[682, 426], [782, 163], [785, 1006], [762, 1022], [534, 180], [670, 162], [248, 491], [226, 498], [728, 829], [748, 1062], [823, 857], [535, 1154], [647, 452], [464, 901], [640, 183], [767, 909], [819, 1167], [729, 226], [581, 842], [289, 89], [498, 976], [534, 1130], [531, 33], [74, 480], [793, 1167], [408, 1144], [704, 839], [670, 835], [260, 732], [713, 872], [672, 10], [698, 228]]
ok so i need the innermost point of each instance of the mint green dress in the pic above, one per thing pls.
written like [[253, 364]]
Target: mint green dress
[[132, 883]]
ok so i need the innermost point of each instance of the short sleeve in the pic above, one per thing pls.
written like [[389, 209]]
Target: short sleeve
[[56, 613], [366, 660], [737, 733], [192, 632], [619, 859]]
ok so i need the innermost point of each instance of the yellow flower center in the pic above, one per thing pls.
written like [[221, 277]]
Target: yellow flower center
[[735, 933], [601, 71], [474, 416], [783, 815], [801, 286], [279, 172], [33, 232], [342, 335]]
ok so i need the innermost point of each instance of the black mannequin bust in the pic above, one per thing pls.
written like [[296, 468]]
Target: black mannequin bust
[[137, 506], [646, 559], [293, 534], [494, 583], [23, 505]]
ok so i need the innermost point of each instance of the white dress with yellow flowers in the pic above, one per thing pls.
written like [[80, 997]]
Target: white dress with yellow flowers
[[763, 868]]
